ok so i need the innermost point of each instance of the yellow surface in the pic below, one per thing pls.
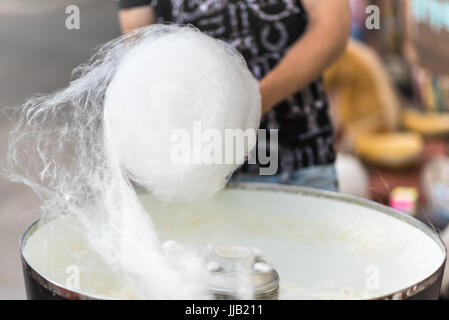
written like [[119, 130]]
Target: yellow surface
[[364, 95], [389, 149], [426, 123]]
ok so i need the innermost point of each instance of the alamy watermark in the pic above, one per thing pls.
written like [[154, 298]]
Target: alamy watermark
[[225, 147], [73, 277], [73, 19], [372, 280], [373, 20]]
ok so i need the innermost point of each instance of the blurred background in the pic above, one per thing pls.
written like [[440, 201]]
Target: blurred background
[[390, 107], [389, 94]]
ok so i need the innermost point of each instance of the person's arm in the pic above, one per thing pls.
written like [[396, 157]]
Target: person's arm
[[324, 40], [135, 17], [407, 46]]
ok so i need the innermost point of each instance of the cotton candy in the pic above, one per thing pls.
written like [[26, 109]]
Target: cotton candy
[[83, 148], [167, 83]]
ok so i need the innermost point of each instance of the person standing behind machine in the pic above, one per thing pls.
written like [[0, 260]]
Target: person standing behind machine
[[287, 44]]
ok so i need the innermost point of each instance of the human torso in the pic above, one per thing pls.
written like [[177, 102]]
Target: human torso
[[263, 31]]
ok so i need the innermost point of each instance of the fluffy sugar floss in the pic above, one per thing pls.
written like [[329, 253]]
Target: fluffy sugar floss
[[118, 124], [169, 84]]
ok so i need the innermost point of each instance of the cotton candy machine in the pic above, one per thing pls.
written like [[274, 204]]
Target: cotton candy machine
[[310, 245]]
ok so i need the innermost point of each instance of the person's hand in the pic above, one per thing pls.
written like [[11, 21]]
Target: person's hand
[[135, 18], [266, 96]]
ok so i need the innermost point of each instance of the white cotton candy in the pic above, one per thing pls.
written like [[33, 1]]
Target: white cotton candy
[[166, 83], [78, 149]]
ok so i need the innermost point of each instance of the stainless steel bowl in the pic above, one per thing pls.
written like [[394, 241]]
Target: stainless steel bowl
[[39, 286]]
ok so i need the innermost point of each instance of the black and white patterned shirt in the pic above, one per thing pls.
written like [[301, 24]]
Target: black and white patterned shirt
[[263, 31]]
